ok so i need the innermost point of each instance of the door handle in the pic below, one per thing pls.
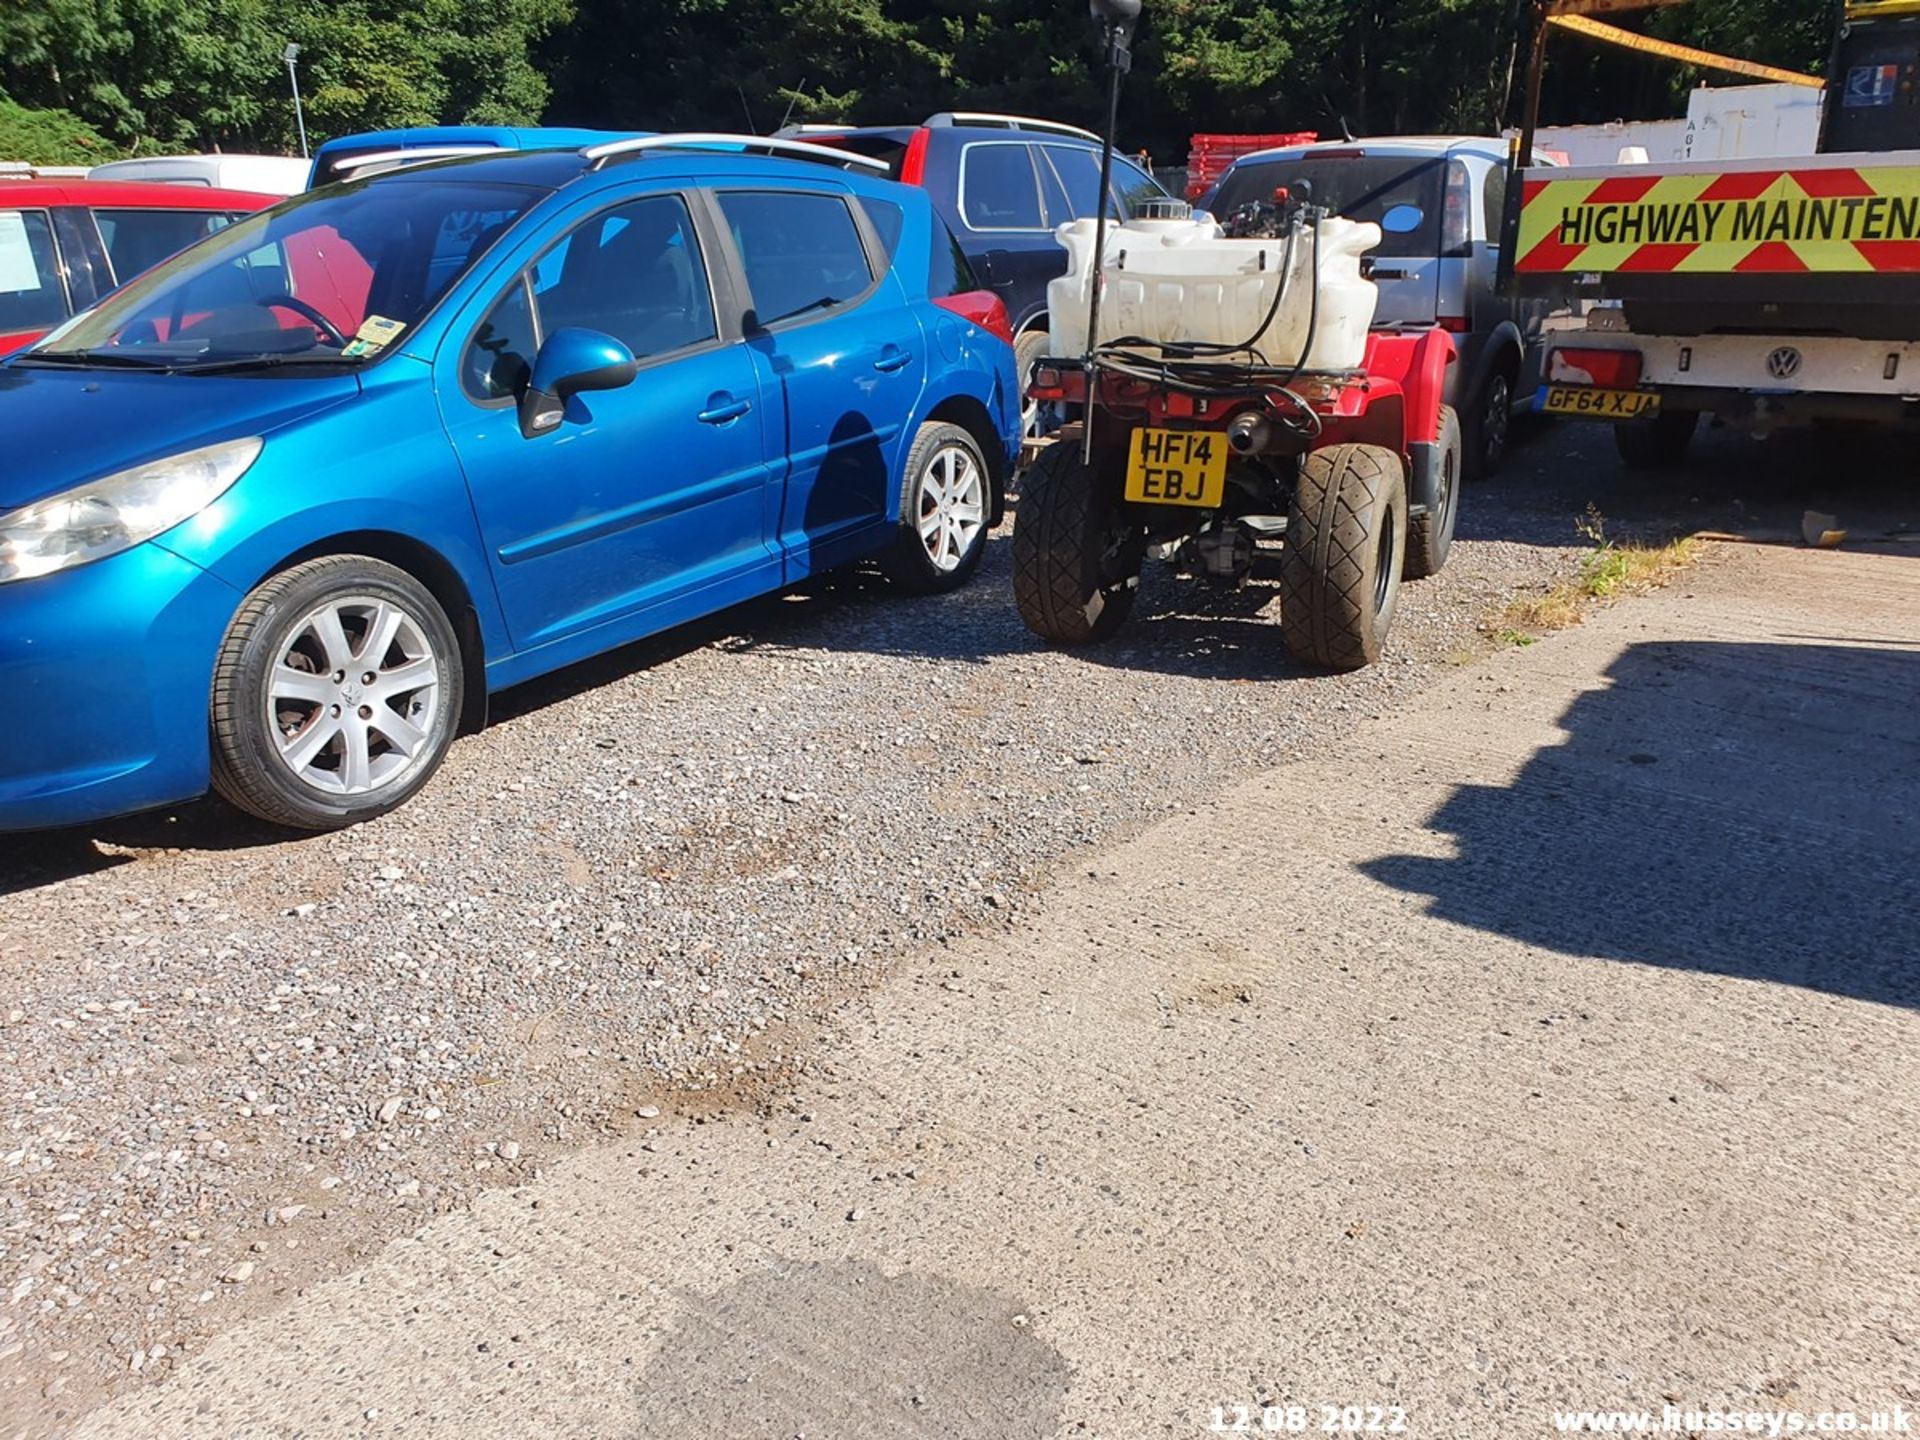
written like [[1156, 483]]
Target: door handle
[[892, 359], [722, 407]]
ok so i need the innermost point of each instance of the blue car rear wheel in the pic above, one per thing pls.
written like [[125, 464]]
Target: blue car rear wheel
[[336, 695]]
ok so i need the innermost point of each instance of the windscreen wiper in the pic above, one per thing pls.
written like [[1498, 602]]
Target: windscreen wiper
[[236, 364], [95, 358]]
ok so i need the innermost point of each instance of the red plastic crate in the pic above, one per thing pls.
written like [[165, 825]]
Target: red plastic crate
[[1209, 155]]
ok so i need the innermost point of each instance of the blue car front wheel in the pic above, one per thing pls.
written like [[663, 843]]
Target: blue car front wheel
[[336, 695]]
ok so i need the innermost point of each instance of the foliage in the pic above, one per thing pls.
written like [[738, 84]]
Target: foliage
[[175, 75], [50, 137], [192, 74]]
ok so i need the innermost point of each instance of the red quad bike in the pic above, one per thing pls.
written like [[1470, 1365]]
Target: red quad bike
[[1355, 473]]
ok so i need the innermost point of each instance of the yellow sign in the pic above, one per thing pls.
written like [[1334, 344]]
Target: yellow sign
[[1829, 220]]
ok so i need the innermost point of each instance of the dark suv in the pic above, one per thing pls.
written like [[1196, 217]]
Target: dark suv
[[1002, 183]]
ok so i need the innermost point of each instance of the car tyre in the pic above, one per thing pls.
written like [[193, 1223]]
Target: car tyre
[[302, 737], [1487, 428], [1430, 536], [1076, 563], [946, 501], [1658, 443], [1340, 572]]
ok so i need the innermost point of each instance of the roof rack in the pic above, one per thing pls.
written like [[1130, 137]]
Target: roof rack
[[988, 120], [598, 155], [793, 132], [417, 156]]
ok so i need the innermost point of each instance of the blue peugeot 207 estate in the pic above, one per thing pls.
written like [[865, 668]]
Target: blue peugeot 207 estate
[[278, 515]]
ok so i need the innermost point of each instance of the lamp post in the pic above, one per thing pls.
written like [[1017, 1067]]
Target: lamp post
[[292, 56]]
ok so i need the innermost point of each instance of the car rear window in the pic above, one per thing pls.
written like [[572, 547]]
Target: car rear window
[[801, 252], [138, 240], [879, 147], [998, 187], [31, 295], [1356, 185]]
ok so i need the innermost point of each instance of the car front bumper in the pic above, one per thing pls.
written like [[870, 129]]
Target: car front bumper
[[105, 673]]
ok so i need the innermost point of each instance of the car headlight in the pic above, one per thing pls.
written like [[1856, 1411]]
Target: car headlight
[[104, 517]]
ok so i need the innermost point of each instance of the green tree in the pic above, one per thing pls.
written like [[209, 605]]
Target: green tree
[[171, 75], [50, 137]]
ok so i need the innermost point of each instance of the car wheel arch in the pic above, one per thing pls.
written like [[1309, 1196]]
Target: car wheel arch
[[970, 414], [443, 581]]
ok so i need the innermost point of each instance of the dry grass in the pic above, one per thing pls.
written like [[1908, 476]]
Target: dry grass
[[1610, 569]]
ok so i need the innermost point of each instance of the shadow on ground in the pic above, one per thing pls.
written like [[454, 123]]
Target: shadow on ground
[[1744, 810]]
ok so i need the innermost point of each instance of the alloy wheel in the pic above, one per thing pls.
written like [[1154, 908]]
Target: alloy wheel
[[353, 697], [952, 506]]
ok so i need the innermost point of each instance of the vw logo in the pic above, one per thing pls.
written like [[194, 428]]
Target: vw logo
[[1784, 363]]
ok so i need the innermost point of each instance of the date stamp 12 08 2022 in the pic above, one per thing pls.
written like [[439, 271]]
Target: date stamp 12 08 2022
[[1235, 1418]]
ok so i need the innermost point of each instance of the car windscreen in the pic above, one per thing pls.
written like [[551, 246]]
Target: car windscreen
[[1357, 186], [340, 276]]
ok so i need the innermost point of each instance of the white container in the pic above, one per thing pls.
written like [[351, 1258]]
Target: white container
[[1184, 281]]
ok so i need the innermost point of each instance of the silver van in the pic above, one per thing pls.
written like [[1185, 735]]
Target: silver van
[[1438, 271]]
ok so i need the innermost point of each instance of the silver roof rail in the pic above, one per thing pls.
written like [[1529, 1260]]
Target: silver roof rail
[[990, 120], [598, 155], [794, 132], [419, 155]]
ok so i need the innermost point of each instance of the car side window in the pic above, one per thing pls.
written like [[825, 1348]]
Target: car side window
[[1133, 186], [948, 270], [887, 218], [633, 272], [499, 357], [1079, 172], [138, 240], [998, 187], [32, 296], [801, 252]]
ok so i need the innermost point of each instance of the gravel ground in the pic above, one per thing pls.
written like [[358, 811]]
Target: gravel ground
[[234, 1061]]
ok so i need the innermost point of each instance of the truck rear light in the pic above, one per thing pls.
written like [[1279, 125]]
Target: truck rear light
[[1608, 369], [1454, 324], [983, 308], [1046, 384]]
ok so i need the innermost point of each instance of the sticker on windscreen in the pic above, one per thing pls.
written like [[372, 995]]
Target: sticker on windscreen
[[374, 335]]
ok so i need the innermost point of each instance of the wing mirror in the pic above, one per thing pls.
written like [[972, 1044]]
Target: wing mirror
[[570, 362]]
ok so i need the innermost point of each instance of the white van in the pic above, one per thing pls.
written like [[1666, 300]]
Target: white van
[[261, 174]]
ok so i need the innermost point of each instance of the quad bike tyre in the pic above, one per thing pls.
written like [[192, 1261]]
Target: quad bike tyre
[[1430, 536], [1074, 572], [1346, 548]]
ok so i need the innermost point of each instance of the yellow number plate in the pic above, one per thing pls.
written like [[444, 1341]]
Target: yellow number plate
[[1596, 404], [1178, 467]]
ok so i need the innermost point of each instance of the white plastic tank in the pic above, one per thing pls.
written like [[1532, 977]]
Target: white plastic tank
[[1184, 281]]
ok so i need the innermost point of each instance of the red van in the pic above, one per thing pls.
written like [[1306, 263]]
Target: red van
[[64, 244]]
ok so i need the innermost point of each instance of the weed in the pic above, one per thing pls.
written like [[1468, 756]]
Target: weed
[[1609, 569]]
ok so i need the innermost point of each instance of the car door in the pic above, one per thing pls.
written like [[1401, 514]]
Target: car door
[[647, 505], [841, 358]]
